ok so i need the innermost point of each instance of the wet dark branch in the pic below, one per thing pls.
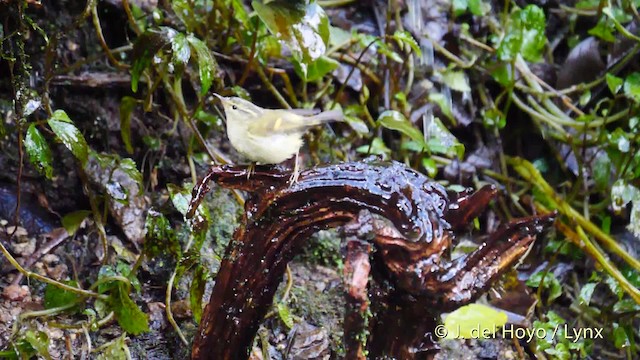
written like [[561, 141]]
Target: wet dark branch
[[279, 219]]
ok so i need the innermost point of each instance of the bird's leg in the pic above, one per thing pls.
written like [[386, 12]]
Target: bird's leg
[[296, 171], [251, 169]]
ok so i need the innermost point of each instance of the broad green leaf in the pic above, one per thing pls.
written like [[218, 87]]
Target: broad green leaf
[[315, 70], [548, 281], [180, 49], [57, 297], [40, 342], [404, 37], [304, 28], [525, 35], [620, 337], [127, 104], [71, 222], [632, 86], [38, 150], [474, 321], [179, 198], [394, 120], [430, 166], [440, 140], [586, 293], [457, 80], [614, 83], [129, 316], [207, 65], [196, 291], [533, 36], [146, 47], [604, 30], [70, 136]]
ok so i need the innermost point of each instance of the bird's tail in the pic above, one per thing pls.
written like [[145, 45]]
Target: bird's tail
[[325, 116]]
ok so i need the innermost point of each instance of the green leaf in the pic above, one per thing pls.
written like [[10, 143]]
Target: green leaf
[[614, 83], [117, 350], [620, 337], [474, 321], [71, 222], [160, 237], [127, 104], [586, 293], [457, 80], [70, 136], [377, 147], [129, 316], [305, 29], [285, 315], [394, 120], [180, 198], [184, 12], [180, 49], [196, 291], [444, 103], [57, 297], [440, 140], [525, 35], [604, 30], [406, 38], [38, 150], [40, 342], [549, 282], [145, 48], [315, 70], [207, 65], [632, 86]]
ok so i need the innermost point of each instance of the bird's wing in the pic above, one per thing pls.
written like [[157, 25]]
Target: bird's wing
[[283, 122]]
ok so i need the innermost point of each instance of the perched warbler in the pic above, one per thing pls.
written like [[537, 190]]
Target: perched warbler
[[269, 136]]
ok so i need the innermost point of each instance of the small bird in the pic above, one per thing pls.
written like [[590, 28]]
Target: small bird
[[269, 136]]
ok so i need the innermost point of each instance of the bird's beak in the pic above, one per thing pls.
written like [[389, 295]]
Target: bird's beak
[[219, 97]]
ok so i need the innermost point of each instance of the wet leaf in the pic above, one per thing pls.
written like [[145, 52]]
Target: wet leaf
[[317, 69], [620, 338], [196, 291], [632, 86], [604, 30], [549, 283], [40, 342], [160, 237], [614, 83], [145, 48], [394, 120], [474, 321], [127, 105], [180, 49], [586, 293], [71, 222], [57, 297], [305, 29], [525, 35], [457, 80], [207, 65], [39, 151], [129, 316], [70, 136]]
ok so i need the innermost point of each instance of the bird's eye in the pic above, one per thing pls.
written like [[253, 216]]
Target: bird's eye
[[234, 107]]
